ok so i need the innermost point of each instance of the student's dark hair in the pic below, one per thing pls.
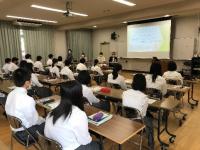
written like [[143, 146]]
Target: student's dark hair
[[71, 94], [20, 76], [84, 77], [67, 62], [101, 53], [7, 60], [50, 56], [82, 60], [29, 67], [23, 64], [14, 59], [172, 66], [59, 58], [139, 82], [39, 58], [116, 69], [96, 61], [155, 70], [28, 56], [54, 62]]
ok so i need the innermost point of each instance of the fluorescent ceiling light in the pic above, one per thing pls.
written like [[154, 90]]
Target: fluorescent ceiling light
[[124, 22], [58, 10], [31, 19], [166, 15], [125, 2], [94, 26]]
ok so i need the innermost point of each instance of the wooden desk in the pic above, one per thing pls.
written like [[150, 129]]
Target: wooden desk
[[118, 129], [50, 82], [5, 84]]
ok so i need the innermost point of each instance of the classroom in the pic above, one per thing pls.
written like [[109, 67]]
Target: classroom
[[99, 74]]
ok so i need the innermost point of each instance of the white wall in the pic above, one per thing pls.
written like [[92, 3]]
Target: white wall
[[185, 27], [60, 44]]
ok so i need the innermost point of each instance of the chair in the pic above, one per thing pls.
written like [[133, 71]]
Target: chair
[[16, 123], [2, 103], [154, 93], [65, 77], [173, 81], [134, 114], [48, 144], [42, 92]]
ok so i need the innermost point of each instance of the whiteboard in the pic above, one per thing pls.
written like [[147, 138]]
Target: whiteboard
[[183, 48]]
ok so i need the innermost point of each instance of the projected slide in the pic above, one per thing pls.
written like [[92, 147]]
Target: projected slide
[[149, 39]]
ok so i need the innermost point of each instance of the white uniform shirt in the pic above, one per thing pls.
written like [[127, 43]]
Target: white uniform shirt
[[22, 106], [119, 80], [6, 68], [81, 67], [66, 71], [39, 65], [160, 83], [12, 67], [173, 75], [55, 70], [29, 61], [97, 69], [87, 92], [101, 59], [135, 99], [70, 132], [35, 81], [49, 62], [60, 64]]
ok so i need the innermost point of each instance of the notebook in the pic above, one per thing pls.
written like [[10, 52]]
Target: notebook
[[99, 118]]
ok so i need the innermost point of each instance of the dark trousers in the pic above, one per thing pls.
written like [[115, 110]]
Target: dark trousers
[[23, 135], [91, 146]]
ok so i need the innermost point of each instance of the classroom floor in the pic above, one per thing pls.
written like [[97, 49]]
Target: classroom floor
[[188, 134]]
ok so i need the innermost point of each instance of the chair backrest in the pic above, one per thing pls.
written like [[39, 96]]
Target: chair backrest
[[14, 122], [43, 92], [154, 93], [173, 81], [35, 69], [48, 144], [65, 77]]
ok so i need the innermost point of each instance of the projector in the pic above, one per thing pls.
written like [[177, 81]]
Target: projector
[[67, 14]]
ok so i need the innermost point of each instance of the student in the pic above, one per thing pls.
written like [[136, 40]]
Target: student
[[49, 61], [172, 74], [38, 64], [116, 78], [34, 78], [6, 65], [54, 69], [101, 58], [113, 58], [83, 56], [66, 71], [136, 98], [28, 58], [155, 80], [60, 62], [69, 56], [68, 123], [97, 68], [22, 106], [81, 66], [13, 65], [23, 64]]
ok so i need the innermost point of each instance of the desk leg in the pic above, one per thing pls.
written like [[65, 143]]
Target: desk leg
[[101, 143], [192, 98], [172, 138], [120, 147]]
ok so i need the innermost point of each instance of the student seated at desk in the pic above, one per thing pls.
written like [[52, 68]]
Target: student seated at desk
[[66, 70], [101, 58], [68, 123], [54, 70], [96, 68], [155, 80], [50, 60], [116, 78], [13, 65], [38, 64], [28, 58], [135, 98], [23, 64], [60, 62], [22, 106], [85, 79], [5, 68], [172, 74], [81, 66]]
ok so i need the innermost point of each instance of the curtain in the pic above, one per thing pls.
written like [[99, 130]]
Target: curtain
[[80, 41], [9, 41], [39, 41]]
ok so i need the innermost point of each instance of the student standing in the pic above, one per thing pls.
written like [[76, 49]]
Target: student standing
[[68, 123], [22, 106]]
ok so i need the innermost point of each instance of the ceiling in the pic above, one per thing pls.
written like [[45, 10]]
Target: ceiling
[[100, 12]]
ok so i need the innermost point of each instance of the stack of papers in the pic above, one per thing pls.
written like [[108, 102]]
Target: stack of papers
[[96, 88], [12, 87], [151, 101], [105, 117], [53, 104]]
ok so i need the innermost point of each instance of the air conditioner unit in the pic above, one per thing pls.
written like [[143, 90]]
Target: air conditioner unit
[[27, 23]]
